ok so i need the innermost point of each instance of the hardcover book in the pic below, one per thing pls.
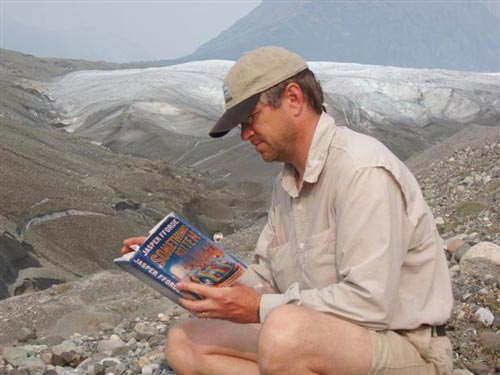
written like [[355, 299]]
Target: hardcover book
[[175, 251]]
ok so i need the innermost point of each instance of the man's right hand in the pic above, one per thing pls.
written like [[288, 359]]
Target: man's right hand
[[131, 241]]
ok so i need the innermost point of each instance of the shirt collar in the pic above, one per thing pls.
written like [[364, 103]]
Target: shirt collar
[[316, 157]]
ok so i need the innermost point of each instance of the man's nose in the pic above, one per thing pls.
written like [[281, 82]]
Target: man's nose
[[245, 132]]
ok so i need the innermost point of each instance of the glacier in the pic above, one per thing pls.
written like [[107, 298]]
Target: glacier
[[166, 112]]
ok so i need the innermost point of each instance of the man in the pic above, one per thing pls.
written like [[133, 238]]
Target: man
[[349, 276]]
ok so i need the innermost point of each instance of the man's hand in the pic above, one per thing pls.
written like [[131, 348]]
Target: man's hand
[[238, 303], [130, 242]]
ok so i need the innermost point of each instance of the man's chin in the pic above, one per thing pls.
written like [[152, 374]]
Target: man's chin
[[268, 158]]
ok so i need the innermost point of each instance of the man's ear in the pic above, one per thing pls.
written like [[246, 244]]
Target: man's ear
[[294, 97]]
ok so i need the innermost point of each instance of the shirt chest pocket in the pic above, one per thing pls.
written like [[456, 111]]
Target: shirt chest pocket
[[311, 263]]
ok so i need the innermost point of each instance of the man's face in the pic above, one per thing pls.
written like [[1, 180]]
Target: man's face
[[267, 130]]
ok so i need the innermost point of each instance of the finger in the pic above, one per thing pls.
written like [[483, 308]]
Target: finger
[[125, 250], [202, 290], [134, 241], [197, 306], [130, 243]]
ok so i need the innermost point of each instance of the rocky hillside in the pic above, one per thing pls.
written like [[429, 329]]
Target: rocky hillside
[[461, 181], [96, 325], [66, 203]]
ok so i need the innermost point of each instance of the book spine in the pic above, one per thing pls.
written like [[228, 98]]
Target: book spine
[[156, 282]]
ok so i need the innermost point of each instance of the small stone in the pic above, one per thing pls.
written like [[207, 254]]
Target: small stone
[[26, 333], [165, 318], [455, 269], [57, 360], [107, 346], [461, 251], [469, 180], [439, 221], [485, 316], [72, 358], [65, 346], [121, 351], [99, 369], [489, 340], [51, 340], [14, 355], [47, 356], [143, 361], [480, 368], [33, 365], [109, 361], [454, 245], [462, 372], [120, 368], [143, 331], [115, 337]]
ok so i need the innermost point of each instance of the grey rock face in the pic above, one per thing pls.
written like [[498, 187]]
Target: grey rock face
[[396, 34], [14, 255]]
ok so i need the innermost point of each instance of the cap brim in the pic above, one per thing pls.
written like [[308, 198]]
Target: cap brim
[[234, 116]]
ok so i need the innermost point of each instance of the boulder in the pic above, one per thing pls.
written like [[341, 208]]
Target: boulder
[[481, 259], [14, 356]]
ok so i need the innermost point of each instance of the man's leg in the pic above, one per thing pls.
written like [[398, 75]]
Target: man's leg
[[293, 340], [210, 346], [299, 340]]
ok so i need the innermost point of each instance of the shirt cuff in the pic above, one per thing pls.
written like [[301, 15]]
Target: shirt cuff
[[269, 302]]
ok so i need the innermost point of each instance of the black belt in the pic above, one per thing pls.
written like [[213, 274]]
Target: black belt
[[438, 331]]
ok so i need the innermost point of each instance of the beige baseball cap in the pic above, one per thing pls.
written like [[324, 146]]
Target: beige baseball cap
[[255, 72]]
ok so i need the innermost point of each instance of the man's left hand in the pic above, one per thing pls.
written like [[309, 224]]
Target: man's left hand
[[237, 303]]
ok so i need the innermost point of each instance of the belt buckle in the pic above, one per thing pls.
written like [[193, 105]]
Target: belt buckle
[[439, 331]]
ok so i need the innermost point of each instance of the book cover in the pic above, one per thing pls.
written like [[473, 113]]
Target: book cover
[[176, 251]]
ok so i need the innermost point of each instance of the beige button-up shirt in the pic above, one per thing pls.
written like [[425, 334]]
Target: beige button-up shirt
[[356, 239]]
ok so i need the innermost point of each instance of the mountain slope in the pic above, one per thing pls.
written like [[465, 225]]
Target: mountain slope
[[66, 204], [421, 34]]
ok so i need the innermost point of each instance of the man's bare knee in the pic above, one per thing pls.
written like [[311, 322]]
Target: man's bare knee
[[296, 337], [179, 349], [281, 338], [282, 325]]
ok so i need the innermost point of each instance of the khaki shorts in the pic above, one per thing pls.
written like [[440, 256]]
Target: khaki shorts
[[415, 352]]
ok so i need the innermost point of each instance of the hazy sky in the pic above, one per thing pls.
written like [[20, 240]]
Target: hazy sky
[[163, 29]]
